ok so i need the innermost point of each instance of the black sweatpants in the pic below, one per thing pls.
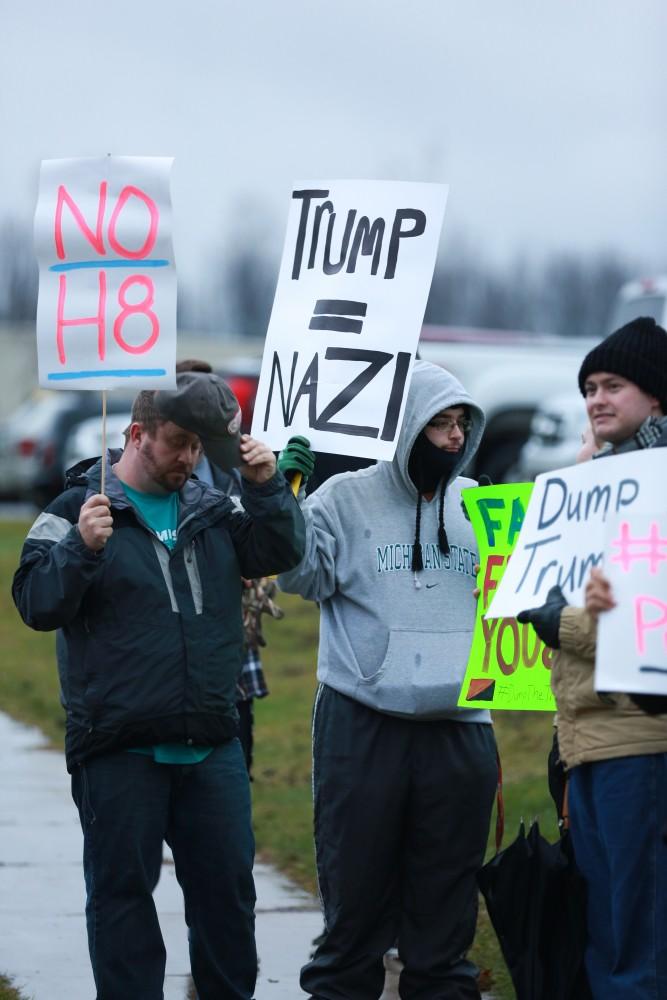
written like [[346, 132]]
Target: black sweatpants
[[402, 811]]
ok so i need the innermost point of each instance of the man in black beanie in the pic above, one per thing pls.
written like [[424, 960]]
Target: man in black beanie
[[624, 383], [615, 746]]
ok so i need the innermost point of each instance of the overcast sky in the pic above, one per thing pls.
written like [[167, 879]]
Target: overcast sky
[[546, 119]]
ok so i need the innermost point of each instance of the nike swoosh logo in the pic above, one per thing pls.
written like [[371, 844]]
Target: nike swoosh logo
[[429, 586]]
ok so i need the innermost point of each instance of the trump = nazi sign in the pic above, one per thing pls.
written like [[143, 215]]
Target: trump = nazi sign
[[106, 313], [354, 279]]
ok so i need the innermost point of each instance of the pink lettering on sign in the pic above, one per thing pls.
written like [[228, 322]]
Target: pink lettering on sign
[[652, 549], [143, 251], [130, 309], [644, 605], [129, 231], [98, 320], [94, 238]]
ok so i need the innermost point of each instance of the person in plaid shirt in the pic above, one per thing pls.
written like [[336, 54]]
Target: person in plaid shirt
[[257, 600]]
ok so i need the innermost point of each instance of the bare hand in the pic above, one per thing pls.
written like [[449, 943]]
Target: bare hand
[[96, 522], [259, 462], [598, 593]]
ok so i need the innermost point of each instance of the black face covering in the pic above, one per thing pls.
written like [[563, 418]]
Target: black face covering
[[428, 464]]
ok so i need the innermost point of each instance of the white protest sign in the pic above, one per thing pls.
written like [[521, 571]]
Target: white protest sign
[[354, 279], [106, 314], [632, 637], [562, 536]]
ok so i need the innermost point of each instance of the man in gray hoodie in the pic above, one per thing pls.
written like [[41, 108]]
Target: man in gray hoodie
[[403, 779]]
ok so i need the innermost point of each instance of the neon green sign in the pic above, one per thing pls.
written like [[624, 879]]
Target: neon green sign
[[509, 666]]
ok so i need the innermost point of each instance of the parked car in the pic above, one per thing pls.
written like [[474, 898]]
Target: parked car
[[555, 436], [32, 440], [85, 438], [643, 297], [23, 437]]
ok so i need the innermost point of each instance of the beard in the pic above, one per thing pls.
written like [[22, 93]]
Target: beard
[[171, 476]]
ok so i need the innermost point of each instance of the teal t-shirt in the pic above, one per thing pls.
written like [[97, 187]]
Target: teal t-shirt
[[161, 514]]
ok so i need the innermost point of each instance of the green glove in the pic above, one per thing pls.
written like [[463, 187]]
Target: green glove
[[296, 456]]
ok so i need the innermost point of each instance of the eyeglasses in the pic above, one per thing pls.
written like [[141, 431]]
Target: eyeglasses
[[447, 424]]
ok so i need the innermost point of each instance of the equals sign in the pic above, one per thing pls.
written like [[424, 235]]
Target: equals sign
[[335, 314]]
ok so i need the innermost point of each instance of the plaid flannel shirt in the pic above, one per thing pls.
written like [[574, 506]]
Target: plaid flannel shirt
[[251, 682]]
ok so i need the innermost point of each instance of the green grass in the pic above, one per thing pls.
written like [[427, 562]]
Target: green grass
[[28, 675], [281, 790]]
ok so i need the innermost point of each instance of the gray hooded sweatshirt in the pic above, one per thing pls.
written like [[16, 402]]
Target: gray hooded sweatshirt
[[393, 639]]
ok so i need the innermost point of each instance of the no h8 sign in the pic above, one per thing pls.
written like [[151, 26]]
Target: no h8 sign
[[107, 292]]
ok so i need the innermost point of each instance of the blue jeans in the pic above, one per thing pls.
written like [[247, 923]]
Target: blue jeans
[[618, 812], [128, 805]]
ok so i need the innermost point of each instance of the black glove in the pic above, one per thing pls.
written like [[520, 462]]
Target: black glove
[[296, 456], [654, 704], [546, 620]]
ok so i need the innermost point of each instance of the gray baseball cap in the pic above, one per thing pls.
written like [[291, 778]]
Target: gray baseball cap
[[204, 404]]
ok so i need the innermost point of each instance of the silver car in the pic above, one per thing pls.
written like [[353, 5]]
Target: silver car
[[85, 438], [25, 440], [32, 440]]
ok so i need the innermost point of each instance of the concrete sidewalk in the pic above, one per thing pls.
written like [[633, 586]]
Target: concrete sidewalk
[[43, 947]]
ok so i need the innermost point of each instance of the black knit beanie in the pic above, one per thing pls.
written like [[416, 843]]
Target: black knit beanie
[[638, 352]]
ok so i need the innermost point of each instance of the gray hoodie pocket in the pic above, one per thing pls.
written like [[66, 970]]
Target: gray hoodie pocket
[[421, 673]]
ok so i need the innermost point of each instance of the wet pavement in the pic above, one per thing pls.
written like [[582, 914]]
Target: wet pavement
[[43, 947]]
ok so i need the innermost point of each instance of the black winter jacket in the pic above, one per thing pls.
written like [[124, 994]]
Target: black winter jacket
[[150, 641]]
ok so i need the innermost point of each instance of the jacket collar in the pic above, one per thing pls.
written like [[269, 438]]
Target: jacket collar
[[196, 498]]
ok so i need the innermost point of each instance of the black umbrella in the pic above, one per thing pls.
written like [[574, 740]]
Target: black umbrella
[[536, 900]]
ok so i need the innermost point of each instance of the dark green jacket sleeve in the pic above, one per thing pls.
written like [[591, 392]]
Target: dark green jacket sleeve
[[270, 537], [56, 567]]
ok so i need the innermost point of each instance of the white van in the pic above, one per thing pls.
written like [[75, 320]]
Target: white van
[[644, 297]]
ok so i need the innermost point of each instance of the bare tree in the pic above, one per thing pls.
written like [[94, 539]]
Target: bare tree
[[569, 294], [575, 294], [18, 272]]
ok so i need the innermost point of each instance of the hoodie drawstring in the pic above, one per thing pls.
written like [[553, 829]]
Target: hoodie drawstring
[[417, 560], [443, 541]]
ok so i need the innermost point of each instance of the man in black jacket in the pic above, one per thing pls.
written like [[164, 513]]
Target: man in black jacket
[[143, 582]]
